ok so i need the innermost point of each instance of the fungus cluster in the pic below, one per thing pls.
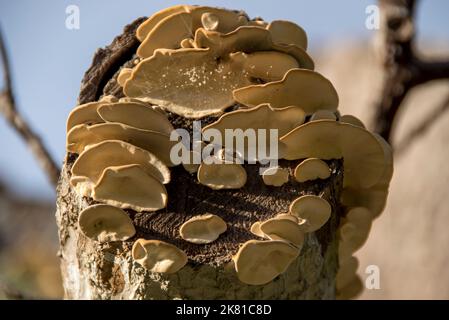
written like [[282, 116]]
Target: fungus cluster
[[199, 62]]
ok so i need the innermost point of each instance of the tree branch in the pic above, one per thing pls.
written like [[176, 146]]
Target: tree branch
[[404, 70], [9, 110]]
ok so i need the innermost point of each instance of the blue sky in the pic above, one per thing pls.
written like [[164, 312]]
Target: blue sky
[[48, 60]]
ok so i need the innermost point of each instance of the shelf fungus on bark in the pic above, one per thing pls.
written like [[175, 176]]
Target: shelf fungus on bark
[[158, 256], [347, 118], [287, 32], [232, 73], [128, 187], [363, 154], [136, 115], [303, 88], [83, 136], [112, 153], [312, 211], [259, 262], [311, 169], [84, 114], [202, 229], [198, 79], [275, 176], [222, 175], [105, 223], [323, 115], [182, 23], [283, 229]]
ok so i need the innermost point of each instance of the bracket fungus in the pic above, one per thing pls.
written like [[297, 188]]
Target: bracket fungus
[[136, 115], [303, 88], [129, 187], [183, 23], [259, 262], [311, 169], [105, 223], [82, 136], [265, 117], [222, 175], [287, 32], [347, 118], [235, 75], [363, 154], [112, 153], [323, 115], [283, 229], [313, 210], [84, 114], [354, 230], [124, 75], [202, 229], [158, 256], [275, 176]]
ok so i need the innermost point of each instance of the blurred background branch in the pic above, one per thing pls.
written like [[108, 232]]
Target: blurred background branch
[[403, 68], [9, 110]]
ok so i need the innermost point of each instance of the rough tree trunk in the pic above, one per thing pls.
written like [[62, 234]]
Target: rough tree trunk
[[106, 271]]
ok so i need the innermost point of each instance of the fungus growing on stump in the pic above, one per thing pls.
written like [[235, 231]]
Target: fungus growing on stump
[[260, 225]]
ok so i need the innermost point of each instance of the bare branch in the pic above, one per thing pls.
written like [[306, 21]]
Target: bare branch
[[9, 110], [403, 68], [422, 128]]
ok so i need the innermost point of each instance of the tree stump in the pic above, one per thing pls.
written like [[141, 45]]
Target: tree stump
[[106, 271]]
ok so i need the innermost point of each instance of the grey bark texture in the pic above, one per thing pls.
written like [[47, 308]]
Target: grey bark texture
[[106, 271]]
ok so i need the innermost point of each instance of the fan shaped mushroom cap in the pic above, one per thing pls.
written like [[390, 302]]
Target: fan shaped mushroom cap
[[167, 34], [314, 210], [299, 87], [375, 197], [347, 118], [136, 115], [346, 272], [82, 136], [172, 29], [323, 115], [84, 114], [287, 216], [158, 256], [260, 117], [202, 229], [113, 153], [188, 82], [266, 65], [275, 176], [312, 169], [364, 158], [125, 74], [259, 262], [222, 175], [354, 230], [255, 229], [148, 25], [105, 223], [283, 229], [286, 32], [130, 187], [248, 39]]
